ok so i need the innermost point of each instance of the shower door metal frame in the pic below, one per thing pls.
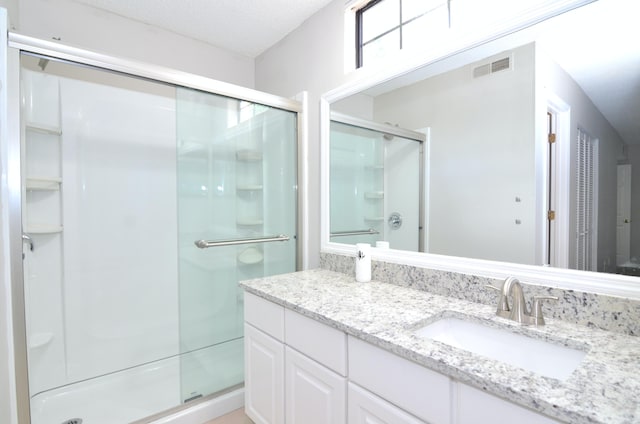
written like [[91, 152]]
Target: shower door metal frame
[[18, 44], [403, 133]]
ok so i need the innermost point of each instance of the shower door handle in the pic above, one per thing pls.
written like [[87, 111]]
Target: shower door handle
[[205, 244]]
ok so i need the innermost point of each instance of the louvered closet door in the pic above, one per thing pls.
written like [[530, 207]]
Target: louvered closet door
[[586, 168]]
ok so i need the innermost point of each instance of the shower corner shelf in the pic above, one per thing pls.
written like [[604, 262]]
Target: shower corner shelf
[[249, 155], [187, 148], [250, 256], [374, 194], [43, 183], [249, 222], [249, 187], [39, 340], [374, 218], [43, 128], [43, 229]]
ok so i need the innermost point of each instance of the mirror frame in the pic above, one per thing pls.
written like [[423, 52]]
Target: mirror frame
[[584, 281]]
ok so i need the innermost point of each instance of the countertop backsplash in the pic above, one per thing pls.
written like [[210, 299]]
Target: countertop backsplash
[[610, 313]]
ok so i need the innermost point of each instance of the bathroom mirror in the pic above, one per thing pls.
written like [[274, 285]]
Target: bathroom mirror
[[493, 182]]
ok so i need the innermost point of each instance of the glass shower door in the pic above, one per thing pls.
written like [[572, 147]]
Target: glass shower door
[[357, 184], [236, 220], [375, 187]]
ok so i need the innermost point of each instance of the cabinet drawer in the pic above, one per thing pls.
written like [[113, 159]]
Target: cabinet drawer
[[476, 406], [265, 315], [367, 408], [316, 340], [412, 387]]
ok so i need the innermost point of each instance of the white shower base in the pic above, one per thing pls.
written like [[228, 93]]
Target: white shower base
[[128, 396]]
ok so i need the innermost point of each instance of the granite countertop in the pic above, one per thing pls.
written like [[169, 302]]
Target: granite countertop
[[605, 388]]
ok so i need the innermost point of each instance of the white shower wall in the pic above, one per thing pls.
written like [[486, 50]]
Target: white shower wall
[[116, 266]]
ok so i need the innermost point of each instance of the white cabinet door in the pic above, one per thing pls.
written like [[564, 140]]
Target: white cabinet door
[[264, 377], [367, 408], [314, 394], [475, 406]]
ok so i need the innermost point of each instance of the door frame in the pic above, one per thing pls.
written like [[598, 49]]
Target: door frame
[[558, 184], [627, 167]]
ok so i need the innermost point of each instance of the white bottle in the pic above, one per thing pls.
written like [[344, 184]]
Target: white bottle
[[363, 262]]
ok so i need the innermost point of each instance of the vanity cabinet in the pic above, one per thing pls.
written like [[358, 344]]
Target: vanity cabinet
[[294, 361], [298, 370]]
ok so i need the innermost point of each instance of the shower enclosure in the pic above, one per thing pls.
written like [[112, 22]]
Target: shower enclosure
[[376, 184], [143, 202]]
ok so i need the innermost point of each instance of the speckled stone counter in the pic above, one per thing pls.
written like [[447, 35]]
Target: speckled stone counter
[[605, 388]]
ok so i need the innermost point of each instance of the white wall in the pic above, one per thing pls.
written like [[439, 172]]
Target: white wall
[[86, 27], [481, 157], [584, 114]]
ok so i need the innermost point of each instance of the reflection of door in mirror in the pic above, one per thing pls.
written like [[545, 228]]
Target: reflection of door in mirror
[[551, 194], [586, 195], [623, 221], [375, 184]]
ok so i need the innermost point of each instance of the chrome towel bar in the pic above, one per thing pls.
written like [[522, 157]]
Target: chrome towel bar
[[205, 244], [354, 233]]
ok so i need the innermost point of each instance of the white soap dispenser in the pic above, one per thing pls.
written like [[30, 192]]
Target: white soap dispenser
[[363, 262]]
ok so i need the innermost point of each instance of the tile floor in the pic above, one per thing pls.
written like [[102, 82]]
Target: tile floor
[[235, 417]]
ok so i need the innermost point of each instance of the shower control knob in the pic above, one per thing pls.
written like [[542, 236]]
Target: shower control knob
[[395, 220]]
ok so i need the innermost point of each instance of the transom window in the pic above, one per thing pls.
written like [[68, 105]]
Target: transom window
[[387, 26], [384, 26]]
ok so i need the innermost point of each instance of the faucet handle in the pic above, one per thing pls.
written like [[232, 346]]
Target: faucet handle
[[537, 308]]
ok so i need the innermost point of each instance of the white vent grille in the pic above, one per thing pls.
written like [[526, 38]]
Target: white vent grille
[[501, 65], [481, 71], [492, 67]]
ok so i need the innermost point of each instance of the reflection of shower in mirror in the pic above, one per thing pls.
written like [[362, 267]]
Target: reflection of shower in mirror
[[376, 184]]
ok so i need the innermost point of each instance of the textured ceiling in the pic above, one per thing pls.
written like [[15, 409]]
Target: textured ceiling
[[248, 27]]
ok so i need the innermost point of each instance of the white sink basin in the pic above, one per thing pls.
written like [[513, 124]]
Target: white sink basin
[[534, 355]]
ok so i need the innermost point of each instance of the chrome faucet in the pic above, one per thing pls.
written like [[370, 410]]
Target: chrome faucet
[[518, 311]]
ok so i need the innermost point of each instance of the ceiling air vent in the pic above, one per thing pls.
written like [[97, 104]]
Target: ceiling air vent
[[500, 65], [481, 70], [493, 67]]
